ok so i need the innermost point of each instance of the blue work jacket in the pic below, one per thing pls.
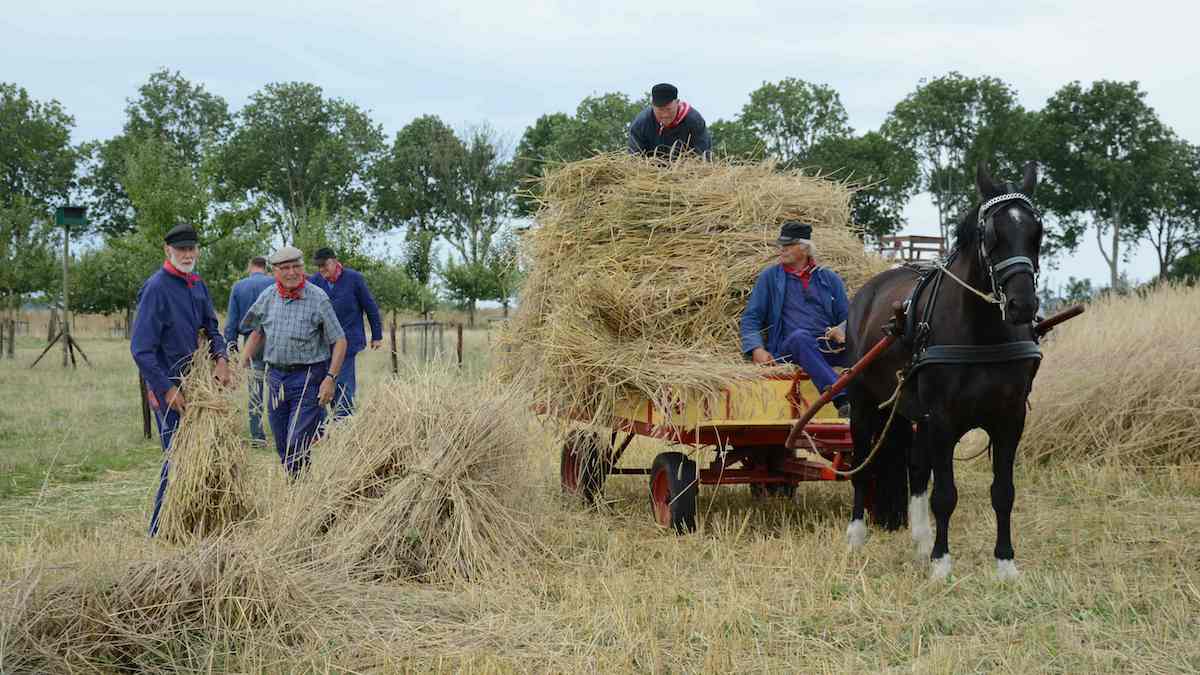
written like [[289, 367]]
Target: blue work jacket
[[764, 310], [169, 319], [243, 295], [351, 299]]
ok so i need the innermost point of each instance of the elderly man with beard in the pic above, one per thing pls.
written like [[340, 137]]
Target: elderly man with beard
[[174, 313], [669, 127], [301, 331], [801, 309]]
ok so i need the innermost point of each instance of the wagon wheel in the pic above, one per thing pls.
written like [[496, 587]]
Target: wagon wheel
[[583, 465], [673, 491]]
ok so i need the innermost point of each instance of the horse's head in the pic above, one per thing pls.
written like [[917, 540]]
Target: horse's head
[[1010, 240]]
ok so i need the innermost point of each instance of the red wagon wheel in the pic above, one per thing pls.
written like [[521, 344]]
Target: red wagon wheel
[[583, 465], [673, 492]]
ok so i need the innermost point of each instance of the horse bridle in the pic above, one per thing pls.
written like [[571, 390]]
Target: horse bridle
[[1004, 270]]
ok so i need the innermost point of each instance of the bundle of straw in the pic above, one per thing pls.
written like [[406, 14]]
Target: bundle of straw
[[639, 273], [1119, 383], [209, 490], [419, 483]]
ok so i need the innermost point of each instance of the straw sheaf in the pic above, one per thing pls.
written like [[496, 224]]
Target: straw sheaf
[[640, 271], [209, 489], [1119, 384], [419, 483]]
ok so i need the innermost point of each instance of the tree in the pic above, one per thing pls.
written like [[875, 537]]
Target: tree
[[395, 291], [170, 109], [885, 173], [466, 283], [28, 263], [504, 266], [483, 201], [789, 117], [1174, 223], [37, 162], [952, 122], [1186, 268], [415, 185], [107, 280], [1079, 290], [1102, 147], [733, 139], [301, 151]]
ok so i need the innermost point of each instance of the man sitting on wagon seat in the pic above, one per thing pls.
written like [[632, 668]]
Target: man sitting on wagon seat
[[801, 307]]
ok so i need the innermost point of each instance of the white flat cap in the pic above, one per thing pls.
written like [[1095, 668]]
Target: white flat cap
[[286, 254]]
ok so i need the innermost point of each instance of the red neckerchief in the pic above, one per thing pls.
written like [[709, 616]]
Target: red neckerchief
[[337, 274], [295, 293], [190, 278], [684, 108], [804, 275]]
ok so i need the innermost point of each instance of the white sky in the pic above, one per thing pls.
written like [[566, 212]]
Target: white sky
[[509, 62]]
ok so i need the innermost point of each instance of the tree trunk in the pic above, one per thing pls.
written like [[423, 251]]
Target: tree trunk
[[471, 313], [129, 322]]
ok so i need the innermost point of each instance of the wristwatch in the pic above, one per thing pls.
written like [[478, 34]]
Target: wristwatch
[[329, 374]]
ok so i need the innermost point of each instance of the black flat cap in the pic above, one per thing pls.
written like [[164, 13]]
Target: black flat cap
[[662, 94], [322, 254], [794, 231], [182, 235]]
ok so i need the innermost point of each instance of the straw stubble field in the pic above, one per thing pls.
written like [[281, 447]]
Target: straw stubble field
[[1109, 556]]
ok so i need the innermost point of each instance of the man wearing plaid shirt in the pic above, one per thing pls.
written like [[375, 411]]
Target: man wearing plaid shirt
[[300, 327]]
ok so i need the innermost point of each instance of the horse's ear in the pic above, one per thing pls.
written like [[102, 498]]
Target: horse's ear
[[1029, 184], [984, 182]]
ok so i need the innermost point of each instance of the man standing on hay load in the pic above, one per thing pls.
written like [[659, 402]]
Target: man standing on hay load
[[174, 313], [300, 329], [802, 308], [669, 127], [347, 290]]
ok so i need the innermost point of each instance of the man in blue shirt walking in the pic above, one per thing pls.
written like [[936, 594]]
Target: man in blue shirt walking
[[347, 290], [174, 313], [243, 295], [801, 307]]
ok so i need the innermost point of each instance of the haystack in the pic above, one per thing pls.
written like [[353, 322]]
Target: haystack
[[421, 483], [639, 273], [209, 490], [1120, 383]]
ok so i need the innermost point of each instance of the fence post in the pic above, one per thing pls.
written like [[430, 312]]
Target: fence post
[[12, 338], [52, 325], [145, 407], [460, 344], [1, 338], [395, 360]]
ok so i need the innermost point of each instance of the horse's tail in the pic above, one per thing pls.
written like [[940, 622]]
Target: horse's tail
[[889, 508]]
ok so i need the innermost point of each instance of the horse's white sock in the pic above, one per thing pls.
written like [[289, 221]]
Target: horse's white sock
[[918, 525], [856, 534], [941, 568], [1006, 570]]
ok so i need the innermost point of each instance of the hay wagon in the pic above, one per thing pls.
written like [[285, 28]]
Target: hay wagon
[[747, 424]]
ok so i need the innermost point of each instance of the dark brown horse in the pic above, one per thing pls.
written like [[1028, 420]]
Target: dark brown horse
[[968, 357]]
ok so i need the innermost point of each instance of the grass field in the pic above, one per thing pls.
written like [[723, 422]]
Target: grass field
[[1109, 557]]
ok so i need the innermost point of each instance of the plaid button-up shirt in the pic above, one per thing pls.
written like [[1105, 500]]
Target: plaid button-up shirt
[[297, 331]]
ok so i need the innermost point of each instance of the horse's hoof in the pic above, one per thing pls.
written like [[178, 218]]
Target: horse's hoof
[[919, 526], [856, 534], [940, 569], [1006, 570]]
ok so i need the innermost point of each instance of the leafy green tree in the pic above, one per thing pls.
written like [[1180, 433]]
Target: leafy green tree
[[301, 151], [1103, 148], [733, 139], [170, 109], [37, 162], [1079, 290], [1186, 268], [791, 116], [484, 199], [337, 231], [395, 291], [1174, 223], [504, 266], [106, 280], [28, 263], [885, 173], [415, 185], [466, 283], [537, 150], [951, 123]]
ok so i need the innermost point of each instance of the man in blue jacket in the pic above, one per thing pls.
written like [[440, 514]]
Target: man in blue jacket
[[347, 290], [243, 295], [669, 127], [174, 312], [801, 307]]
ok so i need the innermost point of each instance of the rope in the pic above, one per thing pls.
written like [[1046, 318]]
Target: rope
[[986, 448], [895, 403], [988, 298]]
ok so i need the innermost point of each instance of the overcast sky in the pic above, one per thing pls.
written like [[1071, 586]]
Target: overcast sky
[[508, 63]]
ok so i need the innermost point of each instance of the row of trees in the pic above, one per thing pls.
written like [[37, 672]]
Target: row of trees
[[296, 166]]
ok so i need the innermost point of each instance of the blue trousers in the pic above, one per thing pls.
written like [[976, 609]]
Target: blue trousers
[[168, 421], [801, 348], [347, 385], [255, 382], [295, 414]]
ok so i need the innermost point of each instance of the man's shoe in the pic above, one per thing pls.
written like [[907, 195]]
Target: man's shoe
[[258, 442], [844, 410]]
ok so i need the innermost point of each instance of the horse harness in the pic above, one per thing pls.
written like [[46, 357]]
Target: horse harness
[[916, 333]]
